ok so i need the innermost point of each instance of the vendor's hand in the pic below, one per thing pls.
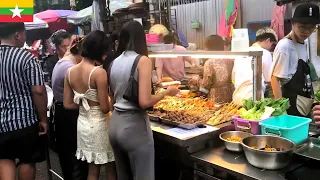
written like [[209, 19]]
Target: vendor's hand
[[316, 114], [159, 81], [171, 91], [195, 79]]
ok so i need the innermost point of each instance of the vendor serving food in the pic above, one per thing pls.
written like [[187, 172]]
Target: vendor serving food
[[216, 80], [172, 67], [266, 38], [292, 72]]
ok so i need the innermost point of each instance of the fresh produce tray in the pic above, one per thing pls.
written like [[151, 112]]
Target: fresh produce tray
[[181, 125], [260, 109]]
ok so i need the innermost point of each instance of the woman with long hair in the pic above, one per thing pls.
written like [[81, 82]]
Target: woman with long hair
[[130, 132], [66, 120], [85, 88]]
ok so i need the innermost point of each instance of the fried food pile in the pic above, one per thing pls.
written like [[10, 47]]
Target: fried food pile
[[234, 139], [267, 148], [197, 104], [193, 110], [184, 117], [223, 114]]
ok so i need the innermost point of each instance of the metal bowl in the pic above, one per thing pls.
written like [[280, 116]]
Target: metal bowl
[[233, 146], [268, 159]]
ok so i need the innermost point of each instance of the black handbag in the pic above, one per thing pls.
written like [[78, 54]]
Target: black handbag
[[132, 92]]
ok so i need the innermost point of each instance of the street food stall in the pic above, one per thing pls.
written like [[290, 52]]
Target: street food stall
[[195, 138], [187, 124]]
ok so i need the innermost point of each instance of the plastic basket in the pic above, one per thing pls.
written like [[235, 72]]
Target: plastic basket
[[251, 126], [293, 128]]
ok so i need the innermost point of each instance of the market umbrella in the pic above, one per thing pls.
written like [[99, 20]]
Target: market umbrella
[[36, 24], [81, 17], [85, 15], [56, 19], [54, 15]]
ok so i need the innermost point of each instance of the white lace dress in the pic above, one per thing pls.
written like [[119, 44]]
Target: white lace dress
[[93, 143]]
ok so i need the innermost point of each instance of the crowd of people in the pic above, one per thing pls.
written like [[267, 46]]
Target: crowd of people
[[90, 79], [87, 135]]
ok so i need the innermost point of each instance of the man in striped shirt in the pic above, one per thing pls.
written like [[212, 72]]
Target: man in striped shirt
[[23, 105]]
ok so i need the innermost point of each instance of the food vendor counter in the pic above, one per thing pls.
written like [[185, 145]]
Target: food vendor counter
[[174, 146], [217, 163], [188, 138], [182, 137]]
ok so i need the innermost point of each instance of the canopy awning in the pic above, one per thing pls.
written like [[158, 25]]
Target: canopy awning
[[36, 24], [85, 15]]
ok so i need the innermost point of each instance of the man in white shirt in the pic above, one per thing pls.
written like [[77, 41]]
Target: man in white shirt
[[242, 74], [291, 66]]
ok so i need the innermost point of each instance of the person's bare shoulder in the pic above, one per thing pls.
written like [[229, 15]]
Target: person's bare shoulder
[[101, 71], [144, 60]]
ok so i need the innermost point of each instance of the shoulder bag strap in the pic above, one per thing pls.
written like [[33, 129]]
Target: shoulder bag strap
[[135, 64], [108, 74]]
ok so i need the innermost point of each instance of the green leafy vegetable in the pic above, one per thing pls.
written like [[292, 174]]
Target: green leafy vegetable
[[248, 103], [317, 96], [254, 110]]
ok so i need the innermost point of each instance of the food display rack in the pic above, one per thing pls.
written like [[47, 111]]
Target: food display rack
[[257, 72], [256, 62]]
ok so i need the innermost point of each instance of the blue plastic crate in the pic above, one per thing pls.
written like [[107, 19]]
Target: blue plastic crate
[[293, 128]]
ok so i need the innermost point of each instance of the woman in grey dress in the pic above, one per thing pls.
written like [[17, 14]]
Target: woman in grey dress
[[130, 132]]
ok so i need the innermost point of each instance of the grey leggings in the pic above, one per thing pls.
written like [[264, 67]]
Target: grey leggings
[[132, 142]]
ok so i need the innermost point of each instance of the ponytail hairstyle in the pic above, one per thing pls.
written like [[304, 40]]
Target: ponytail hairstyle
[[76, 44]]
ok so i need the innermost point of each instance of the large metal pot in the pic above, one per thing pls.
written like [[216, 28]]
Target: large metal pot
[[233, 146], [268, 159]]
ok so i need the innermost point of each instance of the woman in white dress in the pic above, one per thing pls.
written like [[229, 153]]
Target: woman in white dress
[[85, 88]]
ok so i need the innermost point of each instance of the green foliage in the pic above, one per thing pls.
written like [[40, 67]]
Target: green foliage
[[317, 96]]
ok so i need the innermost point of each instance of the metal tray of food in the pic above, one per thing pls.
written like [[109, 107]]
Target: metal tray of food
[[218, 123], [309, 149], [181, 125], [153, 117]]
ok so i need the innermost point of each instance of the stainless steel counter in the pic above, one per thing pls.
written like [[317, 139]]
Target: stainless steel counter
[[175, 145], [220, 159]]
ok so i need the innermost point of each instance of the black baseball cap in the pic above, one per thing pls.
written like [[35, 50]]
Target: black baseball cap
[[307, 13]]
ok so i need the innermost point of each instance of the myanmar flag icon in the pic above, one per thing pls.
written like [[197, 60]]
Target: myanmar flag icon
[[16, 10]]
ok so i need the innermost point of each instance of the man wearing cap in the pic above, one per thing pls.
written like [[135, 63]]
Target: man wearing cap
[[291, 72]]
